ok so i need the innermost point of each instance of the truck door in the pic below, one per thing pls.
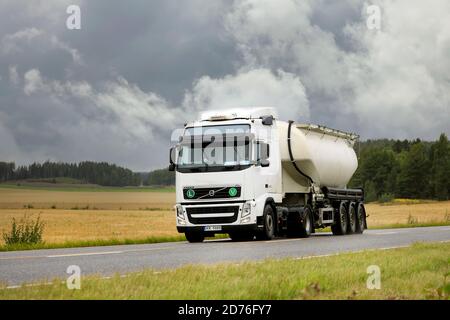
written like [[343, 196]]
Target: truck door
[[268, 163]]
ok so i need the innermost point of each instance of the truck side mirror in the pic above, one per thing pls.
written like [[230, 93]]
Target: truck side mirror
[[172, 159], [267, 120]]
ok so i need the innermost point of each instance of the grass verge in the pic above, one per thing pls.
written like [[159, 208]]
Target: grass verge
[[420, 271], [100, 242], [412, 225]]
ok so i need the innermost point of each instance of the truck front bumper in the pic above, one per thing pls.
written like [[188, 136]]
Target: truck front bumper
[[224, 228]]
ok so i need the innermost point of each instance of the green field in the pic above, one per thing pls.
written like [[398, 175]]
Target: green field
[[417, 272]]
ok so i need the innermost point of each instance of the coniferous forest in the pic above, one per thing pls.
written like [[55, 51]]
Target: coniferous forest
[[100, 173]]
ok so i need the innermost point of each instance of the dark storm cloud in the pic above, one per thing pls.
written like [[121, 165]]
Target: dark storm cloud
[[114, 90], [161, 46]]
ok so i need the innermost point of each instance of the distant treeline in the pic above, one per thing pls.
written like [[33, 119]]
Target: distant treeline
[[407, 169], [387, 169], [100, 173], [160, 177]]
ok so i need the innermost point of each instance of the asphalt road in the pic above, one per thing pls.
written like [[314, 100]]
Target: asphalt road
[[17, 268]]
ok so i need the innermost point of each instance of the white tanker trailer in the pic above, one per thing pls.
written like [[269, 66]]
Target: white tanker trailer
[[246, 173]]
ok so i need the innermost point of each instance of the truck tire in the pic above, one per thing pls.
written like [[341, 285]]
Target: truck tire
[[360, 218], [194, 237], [241, 236], [269, 224], [307, 224], [340, 225], [351, 228]]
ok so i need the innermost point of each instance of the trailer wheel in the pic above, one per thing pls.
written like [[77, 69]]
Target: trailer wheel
[[269, 224], [360, 218], [351, 228], [194, 236], [340, 225], [307, 224]]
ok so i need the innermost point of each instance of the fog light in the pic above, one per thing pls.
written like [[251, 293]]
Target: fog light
[[179, 210], [181, 222], [246, 220], [246, 209]]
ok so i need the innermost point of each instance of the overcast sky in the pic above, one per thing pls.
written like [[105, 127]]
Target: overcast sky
[[114, 90]]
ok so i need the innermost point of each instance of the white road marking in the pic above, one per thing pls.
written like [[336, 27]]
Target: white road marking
[[383, 233], [283, 240], [148, 249], [65, 255], [83, 254], [356, 251]]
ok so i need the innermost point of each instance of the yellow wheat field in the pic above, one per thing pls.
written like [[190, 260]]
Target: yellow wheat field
[[78, 216], [44, 199]]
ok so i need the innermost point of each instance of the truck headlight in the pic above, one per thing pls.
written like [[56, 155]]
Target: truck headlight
[[246, 209], [179, 210]]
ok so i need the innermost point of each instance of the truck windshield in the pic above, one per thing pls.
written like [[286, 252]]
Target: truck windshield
[[215, 148]]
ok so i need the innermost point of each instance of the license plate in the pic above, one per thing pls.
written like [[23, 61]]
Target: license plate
[[212, 228]]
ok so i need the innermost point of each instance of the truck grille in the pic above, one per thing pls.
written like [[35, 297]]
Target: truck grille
[[198, 211], [212, 193]]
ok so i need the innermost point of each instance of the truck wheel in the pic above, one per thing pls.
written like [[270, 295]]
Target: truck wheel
[[340, 225], [360, 218], [269, 224], [307, 224], [194, 236], [241, 236], [351, 228]]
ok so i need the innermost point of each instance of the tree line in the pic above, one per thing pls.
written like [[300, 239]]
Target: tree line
[[386, 169], [100, 173], [160, 177], [405, 169]]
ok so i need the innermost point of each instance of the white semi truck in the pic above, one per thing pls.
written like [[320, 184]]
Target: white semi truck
[[246, 173]]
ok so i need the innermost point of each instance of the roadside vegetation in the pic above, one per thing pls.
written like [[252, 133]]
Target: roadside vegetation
[[24, 232], [418, 272]]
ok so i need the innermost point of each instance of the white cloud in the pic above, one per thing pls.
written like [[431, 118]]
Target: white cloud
[[36, 39], [132, 111], [10, 41], [33, 82], [257, 87], [395, 83], [14, 75]]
